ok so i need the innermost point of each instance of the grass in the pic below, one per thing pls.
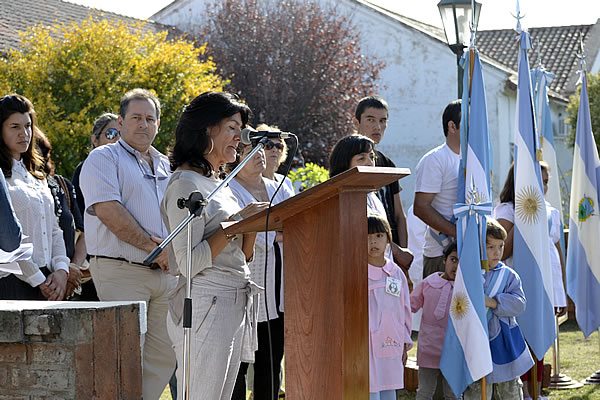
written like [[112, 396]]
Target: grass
[[579, 358]]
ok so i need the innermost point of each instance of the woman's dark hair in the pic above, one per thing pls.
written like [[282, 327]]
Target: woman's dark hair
[[191, 138], [44, 147], [449, 249], [379, 224], [346, 148], [507, 195], [17, 104]]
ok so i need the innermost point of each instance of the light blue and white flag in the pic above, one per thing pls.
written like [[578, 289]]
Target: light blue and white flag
[[541, 80], [531, 256], [583, 257], [466, 354]]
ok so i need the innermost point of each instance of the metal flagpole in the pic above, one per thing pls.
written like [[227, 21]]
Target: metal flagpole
[[534, 379], [558, 380], [473, 27], [594, 379]]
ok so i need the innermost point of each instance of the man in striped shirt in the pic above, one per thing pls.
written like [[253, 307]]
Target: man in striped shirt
[[123, 184]]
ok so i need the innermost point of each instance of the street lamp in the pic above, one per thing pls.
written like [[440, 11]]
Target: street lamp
[[456, 18]]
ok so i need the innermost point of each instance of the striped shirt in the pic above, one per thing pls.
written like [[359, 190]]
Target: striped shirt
[[118, 172]]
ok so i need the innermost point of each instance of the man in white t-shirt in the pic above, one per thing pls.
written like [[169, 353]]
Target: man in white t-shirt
[[436, 191]]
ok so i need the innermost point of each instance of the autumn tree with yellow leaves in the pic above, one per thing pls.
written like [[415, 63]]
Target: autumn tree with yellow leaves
[[74, 73]]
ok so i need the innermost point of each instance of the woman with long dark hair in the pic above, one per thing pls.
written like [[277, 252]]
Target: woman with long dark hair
[[67, 211], [358, 150], [206, 138], [45, 275]]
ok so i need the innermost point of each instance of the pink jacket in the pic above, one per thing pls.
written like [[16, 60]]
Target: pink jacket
[[433, 294], [389, 327]]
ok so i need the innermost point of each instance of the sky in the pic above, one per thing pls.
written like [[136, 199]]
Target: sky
[[495, 14]]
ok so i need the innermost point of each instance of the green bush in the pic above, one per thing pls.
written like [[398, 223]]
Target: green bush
[[74, 73], [308, 176]]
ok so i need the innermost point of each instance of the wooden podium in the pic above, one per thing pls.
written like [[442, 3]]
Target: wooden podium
[[325, 281]]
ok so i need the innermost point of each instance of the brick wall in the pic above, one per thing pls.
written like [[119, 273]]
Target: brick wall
[[70, 350]]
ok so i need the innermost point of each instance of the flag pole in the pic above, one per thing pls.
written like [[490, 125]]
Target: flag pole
[[533, 372], [472, 51], [555, 351], [595, 377], [534, 379], [558, 380]]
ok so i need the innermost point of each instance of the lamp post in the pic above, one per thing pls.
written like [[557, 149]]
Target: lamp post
[[457, 15]]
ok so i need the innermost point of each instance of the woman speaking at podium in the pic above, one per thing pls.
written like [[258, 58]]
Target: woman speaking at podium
[[206, 138]]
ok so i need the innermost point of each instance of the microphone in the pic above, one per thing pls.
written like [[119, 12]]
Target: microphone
[[248, 134]]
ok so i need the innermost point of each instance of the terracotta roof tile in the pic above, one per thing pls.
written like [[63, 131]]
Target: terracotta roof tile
[[558, 46], [18, 15]]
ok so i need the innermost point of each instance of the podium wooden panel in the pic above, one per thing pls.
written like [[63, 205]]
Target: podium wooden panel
[[325, 281]]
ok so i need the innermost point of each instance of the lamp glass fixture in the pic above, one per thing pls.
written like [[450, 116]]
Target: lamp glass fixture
[[456, 18]]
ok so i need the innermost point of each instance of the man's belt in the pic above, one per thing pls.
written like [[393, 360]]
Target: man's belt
[[151, 266]]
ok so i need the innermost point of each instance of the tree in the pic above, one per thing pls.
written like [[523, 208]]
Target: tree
[[593, 88], [74, 73], [297, 65]]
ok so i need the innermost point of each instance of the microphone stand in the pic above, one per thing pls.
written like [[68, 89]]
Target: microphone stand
[[195, 203]]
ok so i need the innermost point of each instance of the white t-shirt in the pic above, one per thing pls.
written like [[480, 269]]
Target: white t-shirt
[[437, 172]]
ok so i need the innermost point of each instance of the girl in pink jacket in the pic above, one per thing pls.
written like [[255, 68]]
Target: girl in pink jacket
[[389, 315], [433, 294]]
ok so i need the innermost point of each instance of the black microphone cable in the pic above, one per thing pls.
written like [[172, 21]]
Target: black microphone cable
[[289, 161]]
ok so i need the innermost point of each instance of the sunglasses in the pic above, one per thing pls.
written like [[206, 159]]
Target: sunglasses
[[111, 133], [269, 145]]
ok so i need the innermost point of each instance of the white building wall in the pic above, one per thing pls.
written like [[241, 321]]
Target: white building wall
[[419, 80]]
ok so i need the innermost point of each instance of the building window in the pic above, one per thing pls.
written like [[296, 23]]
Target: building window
[[561, 128]]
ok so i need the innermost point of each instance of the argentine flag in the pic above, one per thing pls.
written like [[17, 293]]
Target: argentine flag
[[583, 257], [466, 354], [531, 256], [541, 80]]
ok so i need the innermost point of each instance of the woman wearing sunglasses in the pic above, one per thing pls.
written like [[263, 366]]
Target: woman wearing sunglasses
[[105, 131], [249, 186], [276, 153]]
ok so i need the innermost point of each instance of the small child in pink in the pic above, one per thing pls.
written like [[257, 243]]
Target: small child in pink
[[433, 294], [389, 315]]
